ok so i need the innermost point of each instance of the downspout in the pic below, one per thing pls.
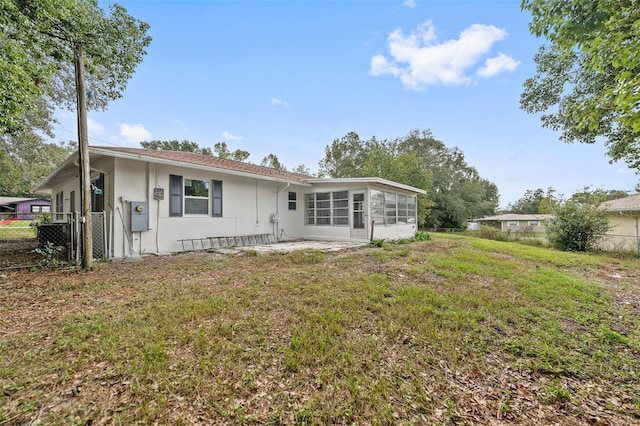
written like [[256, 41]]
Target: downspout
[[635, 220], [276, 222]]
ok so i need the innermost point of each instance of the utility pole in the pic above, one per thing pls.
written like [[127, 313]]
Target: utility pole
[[83, 163]]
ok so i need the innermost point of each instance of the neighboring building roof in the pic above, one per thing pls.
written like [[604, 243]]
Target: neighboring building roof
[[514, 216], [625, 204], [16, 200], [204, 162]]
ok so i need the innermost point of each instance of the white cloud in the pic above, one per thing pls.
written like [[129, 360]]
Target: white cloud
[[95, 128], [134, 132], [409, 3], [279, 102], [419, 60], [231, 137], [498, 65]]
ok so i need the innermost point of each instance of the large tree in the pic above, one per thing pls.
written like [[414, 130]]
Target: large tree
[[455, 191], [587, 78], [39, 42], [25, 158]]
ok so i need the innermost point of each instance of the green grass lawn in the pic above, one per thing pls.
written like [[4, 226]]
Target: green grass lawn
[[17, 229], [456, 330]]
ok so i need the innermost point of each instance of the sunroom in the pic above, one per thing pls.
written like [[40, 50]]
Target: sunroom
[[360, 208]]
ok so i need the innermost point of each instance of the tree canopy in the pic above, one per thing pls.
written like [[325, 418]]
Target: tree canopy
[[597, 196], [455, 191], [587, 77], [175, 145], [25, 159], [222, 151], [535, 201], [38, 44], [272, 161]]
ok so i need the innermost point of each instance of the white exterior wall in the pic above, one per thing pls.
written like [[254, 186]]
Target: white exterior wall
[[290, 223], [247, 207]]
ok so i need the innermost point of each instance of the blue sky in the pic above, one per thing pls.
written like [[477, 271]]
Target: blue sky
[[289, 77]]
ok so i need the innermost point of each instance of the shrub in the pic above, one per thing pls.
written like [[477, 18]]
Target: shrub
[[422, 236], [577, 226], [377, 242]]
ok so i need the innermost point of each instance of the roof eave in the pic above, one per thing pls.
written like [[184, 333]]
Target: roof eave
[[43, 184], [368, 180]]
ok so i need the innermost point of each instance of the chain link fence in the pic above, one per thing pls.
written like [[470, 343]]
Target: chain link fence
[[48, 239]]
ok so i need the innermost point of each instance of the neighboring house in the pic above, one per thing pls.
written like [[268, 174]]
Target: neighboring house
[[624, 214], [23, 208], [512, 222], [154, 201]]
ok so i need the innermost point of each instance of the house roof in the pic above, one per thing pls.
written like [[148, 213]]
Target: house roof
[[367, 180], [69, 168], [208, 161], [16, 200], [626, 204], [515, 216]]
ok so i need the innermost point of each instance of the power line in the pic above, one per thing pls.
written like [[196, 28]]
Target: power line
[[90, 137]]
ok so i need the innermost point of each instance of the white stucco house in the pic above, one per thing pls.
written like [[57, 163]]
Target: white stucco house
[[154, 201]]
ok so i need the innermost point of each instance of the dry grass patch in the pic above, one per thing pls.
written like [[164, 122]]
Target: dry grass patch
[[455, 330]]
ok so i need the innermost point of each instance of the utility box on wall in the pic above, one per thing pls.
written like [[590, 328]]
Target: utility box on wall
[[139, 216]]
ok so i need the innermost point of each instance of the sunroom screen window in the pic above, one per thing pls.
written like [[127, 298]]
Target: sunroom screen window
[[327, 208], [377, 207], [340, 208], [388, 208]]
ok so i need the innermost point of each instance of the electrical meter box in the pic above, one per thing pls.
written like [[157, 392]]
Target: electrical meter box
[[139, 216]]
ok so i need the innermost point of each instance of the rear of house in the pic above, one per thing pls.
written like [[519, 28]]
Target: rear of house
[[164, 201]]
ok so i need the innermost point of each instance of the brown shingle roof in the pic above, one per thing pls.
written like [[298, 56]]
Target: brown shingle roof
[[204, 160], [631, 203]]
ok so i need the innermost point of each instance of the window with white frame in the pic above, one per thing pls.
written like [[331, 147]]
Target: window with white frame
[[193, 196], [327, 208], [512, 223], [40, 209], [59, 205], [196, 196], [533, 223], [293, 200]]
